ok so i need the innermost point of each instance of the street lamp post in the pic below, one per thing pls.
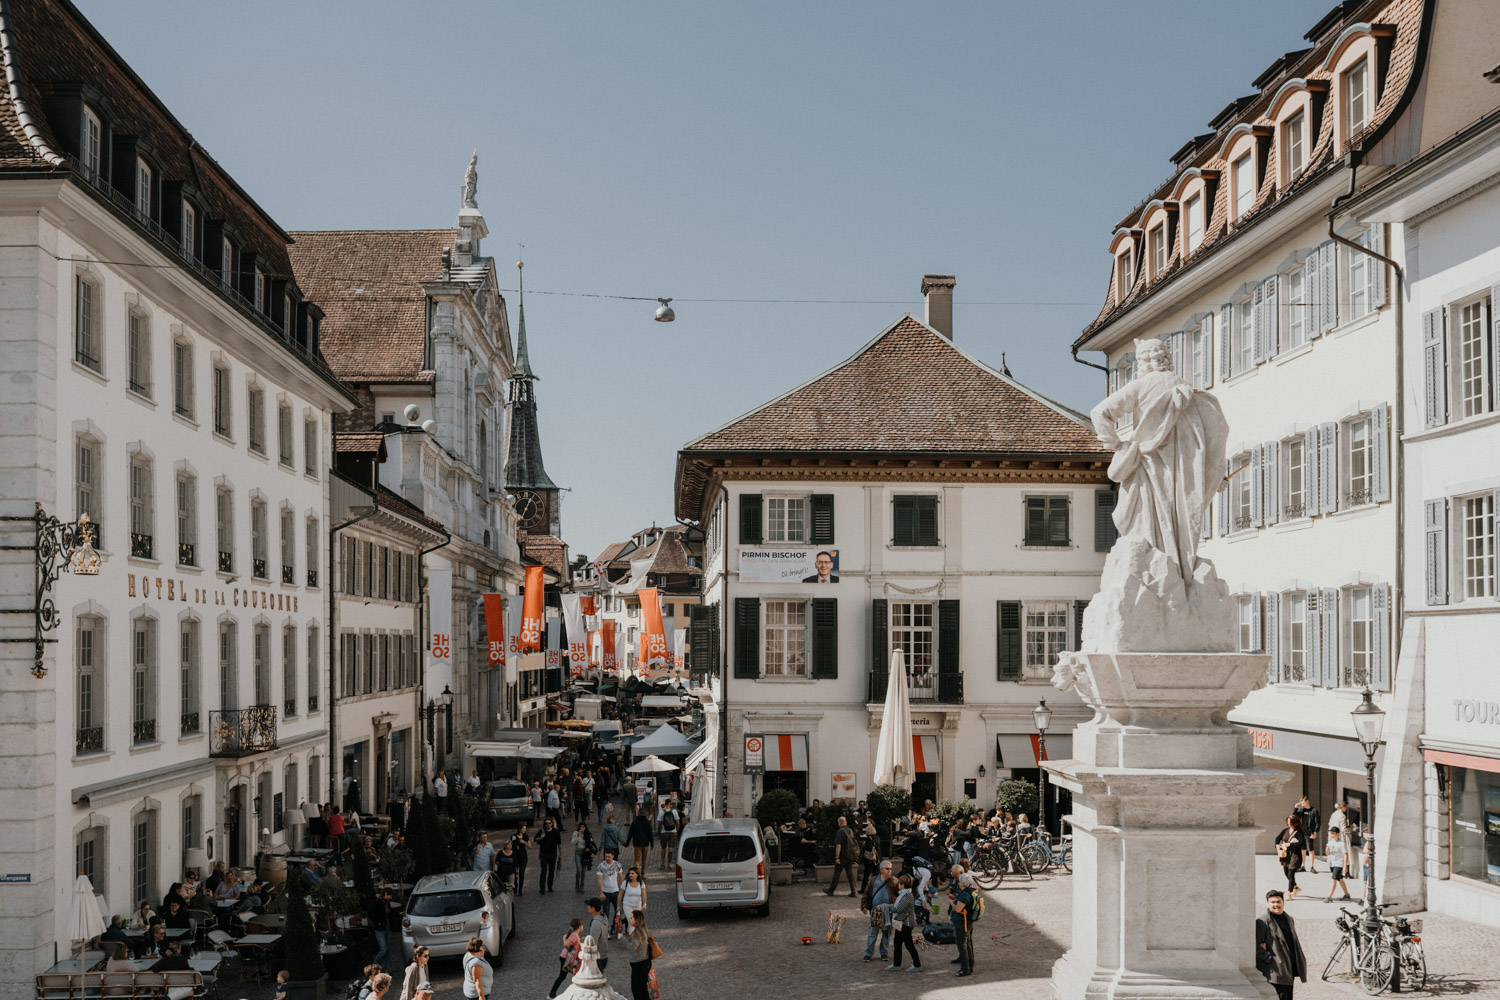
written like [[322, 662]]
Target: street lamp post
[[1043, 716], [1368, 722]]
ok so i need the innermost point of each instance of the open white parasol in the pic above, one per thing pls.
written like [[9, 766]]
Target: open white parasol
[[651, 763]]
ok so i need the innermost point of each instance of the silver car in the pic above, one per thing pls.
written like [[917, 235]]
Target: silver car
[[721, 863], [507, 802], [445, 911]]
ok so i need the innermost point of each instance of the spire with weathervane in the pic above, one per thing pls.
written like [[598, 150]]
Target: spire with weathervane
[[525, 476]]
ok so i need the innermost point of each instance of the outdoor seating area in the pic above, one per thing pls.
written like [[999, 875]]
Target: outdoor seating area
[[177, 985]]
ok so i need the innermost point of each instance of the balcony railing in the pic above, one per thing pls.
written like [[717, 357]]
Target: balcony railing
[[312, 578], [241, 732], [141, 545], [1358, 498], [941, 689], [190, 723], [312, 703], [145, 730], [288, 574], [187, 554], [226, 561], [90, 740], [258, 568], [289, 707], [1243, 522], [1292, 511]]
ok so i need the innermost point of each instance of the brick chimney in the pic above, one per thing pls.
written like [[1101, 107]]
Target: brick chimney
[[937, 294]]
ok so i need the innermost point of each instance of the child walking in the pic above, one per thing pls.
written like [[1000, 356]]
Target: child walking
[[1338, 863]]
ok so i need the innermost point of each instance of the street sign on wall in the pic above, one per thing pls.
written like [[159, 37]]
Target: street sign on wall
[[755, 753]]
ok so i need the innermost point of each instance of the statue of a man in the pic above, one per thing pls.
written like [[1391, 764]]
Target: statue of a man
[[1169, 462], [471, 182]]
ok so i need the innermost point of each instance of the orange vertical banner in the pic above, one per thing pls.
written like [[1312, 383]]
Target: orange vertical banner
[[532, 611], [494, 628], [607, 644], [654, 652]]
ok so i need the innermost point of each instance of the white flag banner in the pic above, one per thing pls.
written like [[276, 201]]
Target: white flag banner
[[679, 649], [513, 639], [578, 650], [668, 624], [439, 631], [554, 642]]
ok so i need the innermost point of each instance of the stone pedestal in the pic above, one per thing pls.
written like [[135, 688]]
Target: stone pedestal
[[1164, 900]]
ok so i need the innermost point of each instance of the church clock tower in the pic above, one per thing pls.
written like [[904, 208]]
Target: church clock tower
[[536, 495]]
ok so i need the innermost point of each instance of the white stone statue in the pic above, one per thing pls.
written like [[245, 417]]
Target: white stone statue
[[471, 182], [1155, 592]]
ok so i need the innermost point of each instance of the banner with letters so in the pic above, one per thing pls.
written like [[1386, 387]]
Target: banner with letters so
[[760, 565]]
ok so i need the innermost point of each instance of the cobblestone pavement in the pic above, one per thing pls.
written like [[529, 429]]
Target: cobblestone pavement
[[1026, 927]]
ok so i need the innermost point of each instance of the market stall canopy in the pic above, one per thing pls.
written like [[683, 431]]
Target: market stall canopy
[[500, 748], [665, 741], [652, 763], [698, 756], [661, 701]]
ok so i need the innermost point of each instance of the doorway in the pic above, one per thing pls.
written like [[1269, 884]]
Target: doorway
[[354, 774], [793, 781], [924, 786], [233, 824], [380, 775]]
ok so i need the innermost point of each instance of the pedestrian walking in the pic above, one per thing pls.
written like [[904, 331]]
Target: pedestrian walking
[[845, 849], [567, 959], [1278, 952], [416, 981], [641, 945], [1338, 863], [1290, 846], [629, 796], [633, 892], [639, 838], [903, 921], [484, 854], [599, 929], [610, 836], [667, 821], [554, 802], [478, 976], [382, 921], [505, 864], [536, 801], [607, 876], [963, 921], [869, 850], [877, 905], [583, 854], [1339, 820], [440, 785], [520, 843], [548, 843], [1312, 825]]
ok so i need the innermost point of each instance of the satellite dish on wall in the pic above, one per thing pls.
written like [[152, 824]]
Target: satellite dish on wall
[[429, 425], [411, 413]]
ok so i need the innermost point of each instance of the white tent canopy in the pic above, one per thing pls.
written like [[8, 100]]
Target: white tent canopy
[[893, 753], [650, 764], [664, 741]]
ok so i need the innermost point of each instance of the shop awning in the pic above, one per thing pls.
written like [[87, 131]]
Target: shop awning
[[925, 755], [497, 748], [698, 756], [661, 701], [786, 751], [1465, 760], [1021, 750]]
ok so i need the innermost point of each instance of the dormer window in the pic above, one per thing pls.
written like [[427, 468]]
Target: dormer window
[[143, 187], [1157, 242], [1242, 176], [260, 290], [1355, 83], [288, 315], [189, 227], [1124, 272], [1293, 146], [226, 263], [1194, 227], [90, 144]]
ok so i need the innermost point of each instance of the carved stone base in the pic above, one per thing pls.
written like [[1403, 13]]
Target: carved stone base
[[1164, 900]]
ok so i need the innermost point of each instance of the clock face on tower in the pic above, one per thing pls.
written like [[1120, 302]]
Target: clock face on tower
[[531, 509]]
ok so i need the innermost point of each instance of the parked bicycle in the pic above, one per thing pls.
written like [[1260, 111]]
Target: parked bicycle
[[1373, 960], [993, 858], [1041, 854]]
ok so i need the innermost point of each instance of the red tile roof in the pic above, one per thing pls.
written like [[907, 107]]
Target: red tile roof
[[360, 443], [549, 550], [910, 390], [369, 285]]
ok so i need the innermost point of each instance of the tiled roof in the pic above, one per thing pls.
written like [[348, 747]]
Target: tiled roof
[[672, 555], [359, 443], [549, 550], [404, 507], [612, 552], [1325, 155], [369, 285], [910, 390]]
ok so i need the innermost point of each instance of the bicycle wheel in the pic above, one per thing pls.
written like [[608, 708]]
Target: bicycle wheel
[[988, 870], [1413, 966], [1376, 966], [1035, 857], [1345, 945]]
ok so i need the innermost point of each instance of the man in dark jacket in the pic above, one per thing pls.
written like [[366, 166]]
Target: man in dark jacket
[[639, 836], [1312, 825], [1278, 952]]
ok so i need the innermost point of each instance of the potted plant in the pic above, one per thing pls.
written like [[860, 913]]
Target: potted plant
[[1017, 797], [396, 864], [887, 803], [775, 809], [304, 961]]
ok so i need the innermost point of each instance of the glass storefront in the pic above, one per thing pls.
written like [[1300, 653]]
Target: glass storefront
[[1474, 798]]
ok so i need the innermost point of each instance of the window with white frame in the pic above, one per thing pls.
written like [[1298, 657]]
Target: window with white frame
[[289, 671], [226, 262], [312, 669], [229, 667], [1293, 146], [188, 237], [223, 402], [89, 693], [255, 405], [1247, 616], [189, 663], [1479, 545], [311, 555], [1473, 349], [1357, 438], [142, 187], [288, 313], [1045, 633], [310, 447], [1242, 346], [192, 821], [143, 680], [88, 341], [142, 508], [91, 145], [1297, 303], [224, 528], [1158, 245], [1295, 477], [1356, 281], [1242, 176], [786, 519], [1194, 226], [1359, 654], [88, 471], [88, 858], [260, 663], [182, 378], [1293, 643], [286, 450], [1355, 84], [1241, 506], [187, 519], [1124, 274], [288, 545], [1197, 345], [143, 855], [138, 353], [912, 632], [786, 638], [258, 567], [261, 300]]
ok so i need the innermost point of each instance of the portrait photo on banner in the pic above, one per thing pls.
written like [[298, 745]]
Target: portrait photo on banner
[[767, 565]]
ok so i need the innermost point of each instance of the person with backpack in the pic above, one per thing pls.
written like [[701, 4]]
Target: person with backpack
[[667, 822], [610, 837], [903, 919], [962, 916]]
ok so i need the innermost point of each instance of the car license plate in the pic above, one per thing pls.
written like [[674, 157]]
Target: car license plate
[[718, 885], [445, 928]]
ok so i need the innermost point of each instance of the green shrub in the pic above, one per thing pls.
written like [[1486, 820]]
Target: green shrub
[[1017, 797], [777, 807], [826, 820], [396, 864], [888, 802], [947, 812]]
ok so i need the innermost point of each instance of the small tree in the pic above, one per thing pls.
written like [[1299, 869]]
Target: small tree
[[396, 863], [304, 962], [888, 802], [437, 840], [461, 811], [826, 819], [946, 813], [416, 840], [1017, 797], [364, 882], [777, 807]]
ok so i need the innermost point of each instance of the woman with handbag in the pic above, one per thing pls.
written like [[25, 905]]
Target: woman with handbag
[[583, 854], [1291, 844], [903, 918], [643, 950], [567, 959]]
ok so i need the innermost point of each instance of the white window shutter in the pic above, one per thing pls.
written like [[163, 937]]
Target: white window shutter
[[1310, 487], [1494, 318], [1382, 462], [1114, 378], [1174, 345], [1328, 313], [1207, 530], [1312, 297], [1206, 355], [1226, 316], [1312, 655], [1257, 487], [1328, 631], [1328, 467], [1380, 606], [1270, 503], [1272, 642], [1375, 240], [1258, 324], [1272, 314], [1223, 496], [1436, 528], [1258, 624], [1435, 365]]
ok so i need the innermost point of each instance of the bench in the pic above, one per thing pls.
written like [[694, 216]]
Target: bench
[[175, 985]]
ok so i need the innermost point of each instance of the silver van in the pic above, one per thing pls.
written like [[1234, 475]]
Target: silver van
[[721, 863], [507, 801], [444, 911]]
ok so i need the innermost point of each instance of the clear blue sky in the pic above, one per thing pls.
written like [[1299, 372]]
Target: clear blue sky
[[703, 150]]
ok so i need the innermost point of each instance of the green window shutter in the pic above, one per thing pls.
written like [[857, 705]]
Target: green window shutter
[[1036, 521], [703, 639], [747, 637], [880, 644], [948, 637], [1079, 607], [1105, 532], [927, 520], [903, 521], [1058, 520], [820, 507], [1008, 640], [825, 636], [750, 531]]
